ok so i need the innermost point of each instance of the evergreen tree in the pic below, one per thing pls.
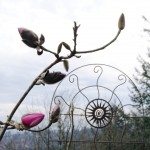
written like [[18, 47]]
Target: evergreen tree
[[141, 95]]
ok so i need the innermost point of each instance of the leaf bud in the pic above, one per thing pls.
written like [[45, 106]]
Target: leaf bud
[[66, 45], [66, 64]]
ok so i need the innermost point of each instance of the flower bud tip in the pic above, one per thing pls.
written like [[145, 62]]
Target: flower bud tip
[[20, 30]]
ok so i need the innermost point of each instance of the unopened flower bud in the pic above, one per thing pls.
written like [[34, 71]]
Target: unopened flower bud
[[54, 77], [121, 22], [29, 37], [55, 113], [31, 120]]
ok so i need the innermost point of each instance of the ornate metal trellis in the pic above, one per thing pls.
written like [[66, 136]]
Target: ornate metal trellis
[[97, 94]]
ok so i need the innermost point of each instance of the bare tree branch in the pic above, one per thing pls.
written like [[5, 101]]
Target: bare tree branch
[[101, 48], [72, 125]]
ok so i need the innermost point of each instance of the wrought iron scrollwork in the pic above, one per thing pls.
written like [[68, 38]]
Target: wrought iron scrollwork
[[98, 113]]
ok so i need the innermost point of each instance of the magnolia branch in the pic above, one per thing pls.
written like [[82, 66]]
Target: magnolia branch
[[36, 43]]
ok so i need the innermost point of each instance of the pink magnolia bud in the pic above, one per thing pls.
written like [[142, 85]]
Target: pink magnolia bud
[[29, 37], [55, 113], [31, 120]]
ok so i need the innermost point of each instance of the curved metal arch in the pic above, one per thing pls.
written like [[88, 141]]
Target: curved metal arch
[[100, 70]]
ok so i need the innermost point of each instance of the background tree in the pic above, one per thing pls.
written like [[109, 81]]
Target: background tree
[[140, 121], [141, 96]]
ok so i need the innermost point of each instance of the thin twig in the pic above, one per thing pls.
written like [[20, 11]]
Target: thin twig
[[67, 134], [46, 50], [101, 48], [72, 126], [40, 130], [75, 28]]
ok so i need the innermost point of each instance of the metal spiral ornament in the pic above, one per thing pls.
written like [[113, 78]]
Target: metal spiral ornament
[[98, 113]]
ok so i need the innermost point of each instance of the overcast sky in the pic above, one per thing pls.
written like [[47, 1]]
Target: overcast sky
[[19, 64]]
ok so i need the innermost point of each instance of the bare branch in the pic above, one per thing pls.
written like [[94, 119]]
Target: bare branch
[[75, 29], [101, 48], [146, 30], [72, 125], [46, 50], [145, 19]]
